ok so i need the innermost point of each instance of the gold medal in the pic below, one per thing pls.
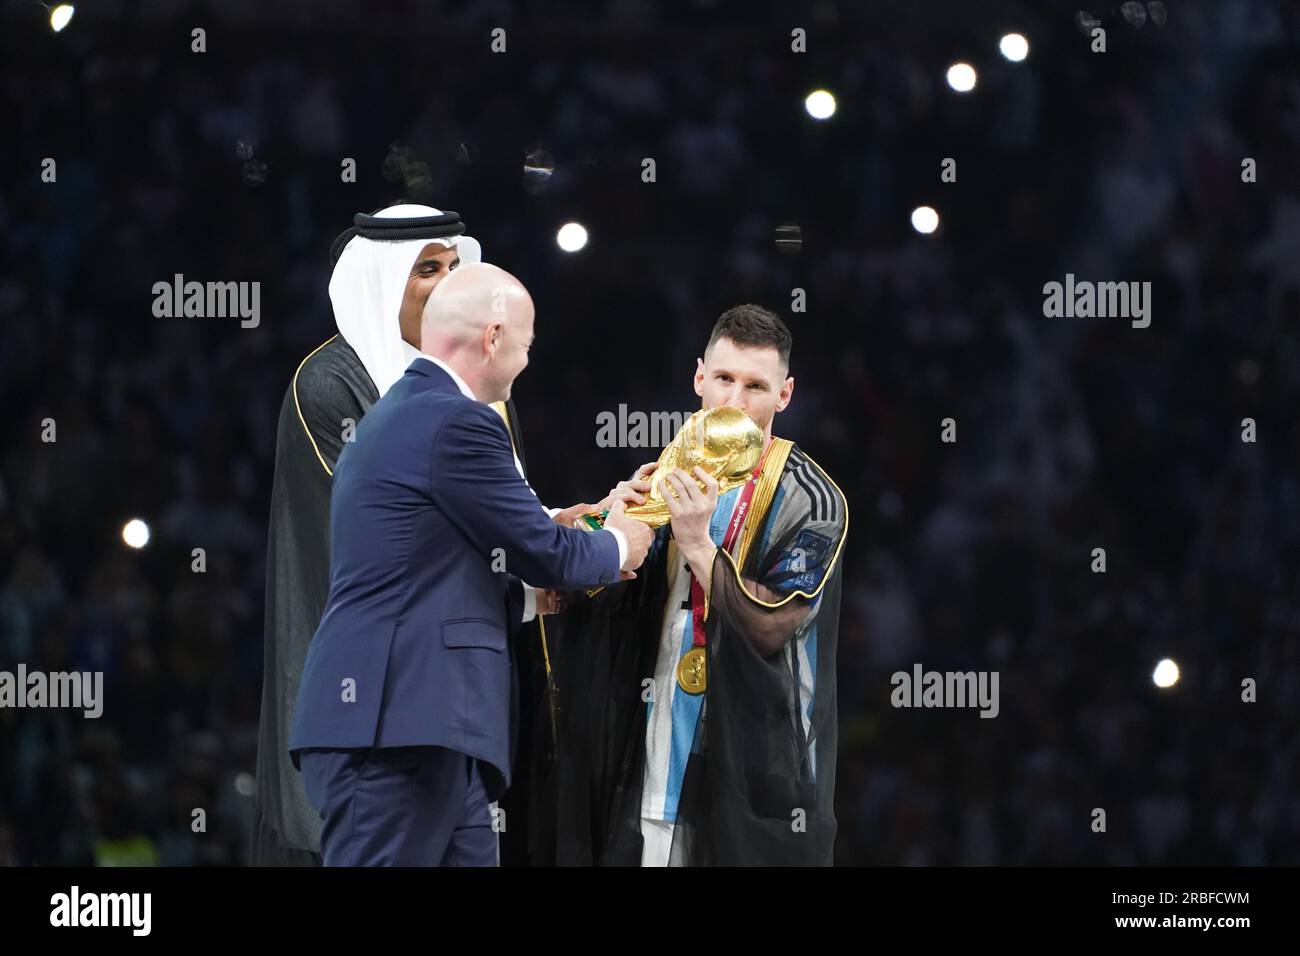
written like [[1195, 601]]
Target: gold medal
[[691, 675]]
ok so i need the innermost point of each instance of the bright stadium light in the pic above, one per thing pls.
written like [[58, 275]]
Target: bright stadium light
[[61, 16], [961, 77], [820, 105], [1165, 674], [925, 219], [571, 237], [1014, 47], [135, 533]]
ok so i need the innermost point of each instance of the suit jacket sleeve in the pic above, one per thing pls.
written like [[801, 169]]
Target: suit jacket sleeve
[[474, 481], [514, 604]]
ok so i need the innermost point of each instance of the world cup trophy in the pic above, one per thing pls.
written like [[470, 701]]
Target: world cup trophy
[[724, 441]]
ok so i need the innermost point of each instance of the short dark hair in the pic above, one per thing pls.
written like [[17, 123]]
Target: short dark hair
[[752, 326]]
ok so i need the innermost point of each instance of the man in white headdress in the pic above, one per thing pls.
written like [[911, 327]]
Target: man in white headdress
[[385, 266]]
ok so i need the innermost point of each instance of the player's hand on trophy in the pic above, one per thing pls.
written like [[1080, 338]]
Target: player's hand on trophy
[[691, 508], [637, 534], [632, 491], [568, 517]]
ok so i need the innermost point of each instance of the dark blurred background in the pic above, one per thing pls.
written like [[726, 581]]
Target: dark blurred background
[[1073, 433]]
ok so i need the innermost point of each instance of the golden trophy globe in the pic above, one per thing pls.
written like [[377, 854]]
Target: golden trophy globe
[[724, 441]]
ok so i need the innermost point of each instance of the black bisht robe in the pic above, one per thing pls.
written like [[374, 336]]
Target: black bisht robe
[[760, 780], [330, 386]]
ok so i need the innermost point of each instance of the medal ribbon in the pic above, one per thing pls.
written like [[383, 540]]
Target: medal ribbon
[[733, 531]]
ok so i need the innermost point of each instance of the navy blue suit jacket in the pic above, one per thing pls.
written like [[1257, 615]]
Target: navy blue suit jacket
[[412, 648]]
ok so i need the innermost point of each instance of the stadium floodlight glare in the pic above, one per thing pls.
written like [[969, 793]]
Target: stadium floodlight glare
[[61, 16], [925, 219], [820, 104], [1014, 47], [571, 237], [961, 77], [1165, 674], [135, 533]]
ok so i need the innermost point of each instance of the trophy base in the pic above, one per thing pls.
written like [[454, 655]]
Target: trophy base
[[592, 521]]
